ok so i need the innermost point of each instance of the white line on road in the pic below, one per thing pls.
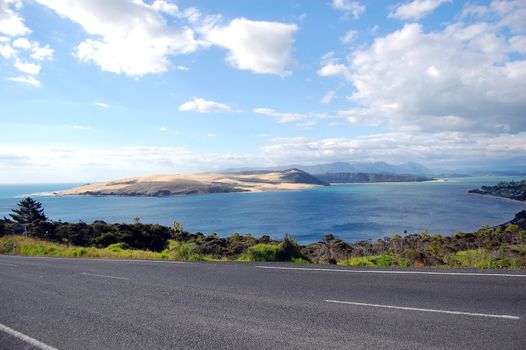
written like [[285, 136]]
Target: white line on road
[[393, 271], [426, 310], [6, 264], [105, 276], [26, 338]]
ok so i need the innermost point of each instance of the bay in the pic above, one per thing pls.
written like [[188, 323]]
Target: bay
[[352, 211]]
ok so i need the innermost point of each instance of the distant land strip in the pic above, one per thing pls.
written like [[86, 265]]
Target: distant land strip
[[244, 181]]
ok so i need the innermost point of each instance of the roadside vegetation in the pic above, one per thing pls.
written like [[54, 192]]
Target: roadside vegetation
[[29, 232]]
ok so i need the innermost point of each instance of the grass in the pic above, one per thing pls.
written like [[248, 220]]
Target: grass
[[513, 256], [184, 251], [19, 245], [262, 252], [375, 260], [270, 252], [507, 256]]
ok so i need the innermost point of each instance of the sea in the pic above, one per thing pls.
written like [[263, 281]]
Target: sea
[[349, 211]]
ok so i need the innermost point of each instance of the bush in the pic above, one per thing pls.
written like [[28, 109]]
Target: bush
[[376, 260], [289, 249], [7, 245], [118, 247], [480, 258], [184, 251], [262, 252]]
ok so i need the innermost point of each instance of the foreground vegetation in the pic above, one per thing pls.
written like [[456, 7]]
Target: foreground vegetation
[[29, 232]]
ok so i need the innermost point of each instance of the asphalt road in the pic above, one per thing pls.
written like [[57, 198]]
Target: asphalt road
[[103, 304]]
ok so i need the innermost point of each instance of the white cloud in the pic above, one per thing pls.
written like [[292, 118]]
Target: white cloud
[[16, 47], [163, 129], [128, 37], [361, 116], [182, 68], [287, 117], [329, 57], [41, 53], [335, 70], [349, 36], [11, 23], [22, 43], [101, 104], [7, 51], [259, 46], [29, 80], [328, 97], [416, 9], [18, 164], [307, 125], [211, 134], [166, 7], [442, 149], [459, 78], [71, 164], [81, 127], [353, 7], [27, 67], [509, 14], [203, 106], [36, 51]]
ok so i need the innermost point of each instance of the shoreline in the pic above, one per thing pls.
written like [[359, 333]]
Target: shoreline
[[498, 197], [58, 194]]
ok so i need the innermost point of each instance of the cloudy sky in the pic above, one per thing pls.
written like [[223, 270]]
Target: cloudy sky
[[98, 89]]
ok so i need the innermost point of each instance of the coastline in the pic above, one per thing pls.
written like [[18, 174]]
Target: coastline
[[498, 197], [59, 194]]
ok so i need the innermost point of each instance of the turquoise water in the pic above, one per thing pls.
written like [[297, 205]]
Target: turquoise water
[[352, 212]]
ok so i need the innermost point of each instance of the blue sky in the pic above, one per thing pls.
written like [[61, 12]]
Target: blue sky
[[93, 90]]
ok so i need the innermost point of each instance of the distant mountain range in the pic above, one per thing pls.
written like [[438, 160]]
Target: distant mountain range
[[377, 168], [336, 178], [409, 168]]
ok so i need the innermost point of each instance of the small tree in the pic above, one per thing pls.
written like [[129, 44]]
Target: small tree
[[29, 211], [177, 230]]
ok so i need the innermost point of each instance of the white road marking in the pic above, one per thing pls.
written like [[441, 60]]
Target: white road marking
[[26, 338], [105, 276], [426, 310], [6, 264], [394, 271]]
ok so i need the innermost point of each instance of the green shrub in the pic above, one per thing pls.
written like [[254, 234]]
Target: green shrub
[[374, 260], [404, 262], [479, 258], [118, 247], [300, 261], [262, 252], [289, 249], [184, 251], [7, 246]]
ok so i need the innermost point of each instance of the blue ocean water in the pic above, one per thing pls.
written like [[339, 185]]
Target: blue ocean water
[[351, 212]]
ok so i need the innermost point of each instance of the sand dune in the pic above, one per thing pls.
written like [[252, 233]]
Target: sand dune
[[200, 183]]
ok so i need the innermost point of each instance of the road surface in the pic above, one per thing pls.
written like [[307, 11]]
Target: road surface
[[53, 303]]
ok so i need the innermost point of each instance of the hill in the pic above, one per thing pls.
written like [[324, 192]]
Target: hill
[[512, 190], [345, 167], [203, 183], [369, 177]]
